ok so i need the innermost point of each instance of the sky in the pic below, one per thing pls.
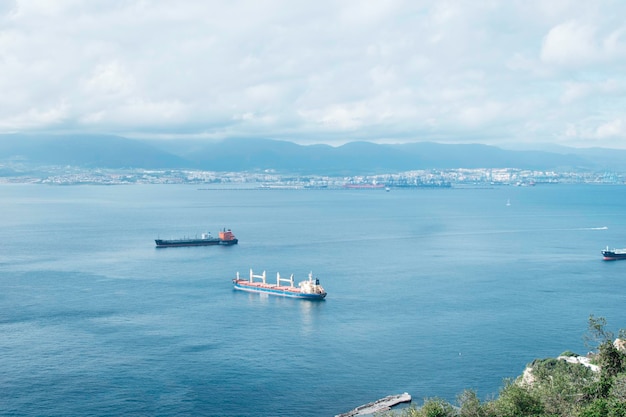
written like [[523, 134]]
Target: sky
[[510, 73]]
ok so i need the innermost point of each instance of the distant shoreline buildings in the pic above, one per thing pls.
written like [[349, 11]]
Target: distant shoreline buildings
[[271, 180]]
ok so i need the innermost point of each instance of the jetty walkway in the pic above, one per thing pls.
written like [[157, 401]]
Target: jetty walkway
[[384, 404]]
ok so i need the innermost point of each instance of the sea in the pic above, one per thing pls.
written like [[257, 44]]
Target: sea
[[430, 292]]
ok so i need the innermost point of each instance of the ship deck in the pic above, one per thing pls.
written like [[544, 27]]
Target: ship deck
[[260, 285]]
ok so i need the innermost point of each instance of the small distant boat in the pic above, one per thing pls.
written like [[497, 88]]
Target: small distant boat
[[613, 254], [309, 289], [508, 202], [226, 238]]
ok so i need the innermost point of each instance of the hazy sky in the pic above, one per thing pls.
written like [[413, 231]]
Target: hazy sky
[[323, 71]]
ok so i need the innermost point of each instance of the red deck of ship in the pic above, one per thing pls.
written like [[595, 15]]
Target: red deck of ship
[[247, 283]]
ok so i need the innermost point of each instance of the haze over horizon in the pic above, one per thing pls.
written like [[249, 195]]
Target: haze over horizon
[[509, 74]]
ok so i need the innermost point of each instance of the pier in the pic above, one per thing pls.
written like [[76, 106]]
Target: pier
[[384, 404]]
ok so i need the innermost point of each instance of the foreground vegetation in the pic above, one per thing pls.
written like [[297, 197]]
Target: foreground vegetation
[[550, 387]]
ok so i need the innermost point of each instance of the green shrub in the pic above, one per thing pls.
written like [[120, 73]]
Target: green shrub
[[618, 389], [518, 401], [611, 360], [436, 407], [470, 405], [597, 408], [616, 408]]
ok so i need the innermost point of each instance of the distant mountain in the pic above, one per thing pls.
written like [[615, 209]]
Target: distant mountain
[[369, 158], [89, 151], [100, 151]]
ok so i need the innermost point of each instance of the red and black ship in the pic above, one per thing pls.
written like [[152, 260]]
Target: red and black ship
[[226, 238], [613, 254]]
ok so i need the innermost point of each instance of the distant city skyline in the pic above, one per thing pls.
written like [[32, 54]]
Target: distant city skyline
[[520, 74]]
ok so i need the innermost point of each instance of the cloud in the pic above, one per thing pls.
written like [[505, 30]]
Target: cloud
[[314, 70], [136, 112], [613, 128], [7, 7], [576, 43], [578, 91], [570, 43], [36, 118], [109, 80], [594, 131], [481, 115]]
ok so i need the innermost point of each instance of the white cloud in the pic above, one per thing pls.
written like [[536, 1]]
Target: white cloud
[[339, 117], [426, 69], [575, 91], [577, 43], [606, 90], [570, 43], [591, 131], [137, 112], [109, 80], [36, 118], [613, 128], [481, 114]]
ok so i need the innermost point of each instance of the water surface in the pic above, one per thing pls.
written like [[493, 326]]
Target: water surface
[[429, 291]]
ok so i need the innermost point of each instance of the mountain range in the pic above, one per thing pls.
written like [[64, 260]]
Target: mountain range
[[248, 155]]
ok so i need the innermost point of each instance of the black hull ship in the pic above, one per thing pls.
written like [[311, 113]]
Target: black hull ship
[[226, 238], [613, 254]]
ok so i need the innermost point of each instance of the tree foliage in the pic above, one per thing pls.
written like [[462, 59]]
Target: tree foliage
[[517, 400], [610, 359], [597, 332], [433, 407], [559, 384], [470, 405]]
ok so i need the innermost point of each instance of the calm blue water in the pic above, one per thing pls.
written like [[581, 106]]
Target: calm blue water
[[430, 292]]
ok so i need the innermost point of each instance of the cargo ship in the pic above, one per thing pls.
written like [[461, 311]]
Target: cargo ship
[[309, 289], [226, 238], [613, 254]]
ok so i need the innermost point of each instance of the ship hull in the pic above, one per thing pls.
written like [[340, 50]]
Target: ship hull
[[612, 256], [193, 242], [275, 290]]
